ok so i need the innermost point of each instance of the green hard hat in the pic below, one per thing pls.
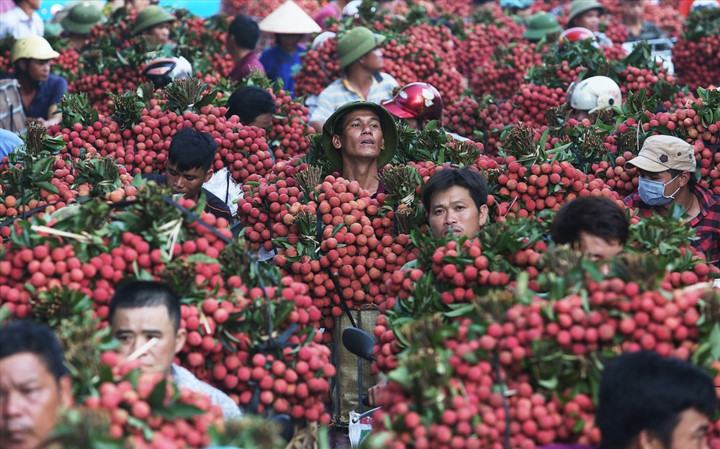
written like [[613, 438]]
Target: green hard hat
[[540, 25], [387, 123], [353, 45], [149, 17], [579, 7], [81, 18]]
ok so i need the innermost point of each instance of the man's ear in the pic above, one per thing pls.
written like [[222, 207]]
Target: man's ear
[[336, 142], [646, 440], [684, 178], [208, 175], [180, 340], [66, 396], [483, 213]]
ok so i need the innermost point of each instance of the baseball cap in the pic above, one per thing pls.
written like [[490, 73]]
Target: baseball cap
[[661, 153]]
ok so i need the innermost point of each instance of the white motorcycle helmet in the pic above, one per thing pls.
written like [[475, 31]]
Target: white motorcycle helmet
[[704, 4], [163, 71], [594, 94]]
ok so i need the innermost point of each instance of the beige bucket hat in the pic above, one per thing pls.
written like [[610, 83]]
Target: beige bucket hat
[[289, 18]]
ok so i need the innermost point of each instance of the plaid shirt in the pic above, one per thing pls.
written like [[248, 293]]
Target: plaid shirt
[[706, 223]]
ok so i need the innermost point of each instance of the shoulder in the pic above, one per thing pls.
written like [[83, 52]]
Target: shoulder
[[57, 81], [216, 206], [332, 89], [186, 379], [386, 77]]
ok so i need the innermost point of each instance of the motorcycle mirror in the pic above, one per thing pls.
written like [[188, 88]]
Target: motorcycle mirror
[[358, 342]]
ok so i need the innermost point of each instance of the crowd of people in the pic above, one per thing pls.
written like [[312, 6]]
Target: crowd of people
[[645, 401]]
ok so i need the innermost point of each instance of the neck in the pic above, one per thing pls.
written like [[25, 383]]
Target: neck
[[633, 21], [359, 77], [289, 49], [27, 84], [240, 53], [27, 8], [364, 172], [685, 198]]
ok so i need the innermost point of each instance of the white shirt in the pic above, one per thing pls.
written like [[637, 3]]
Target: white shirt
[[19, 25], [186, 379]]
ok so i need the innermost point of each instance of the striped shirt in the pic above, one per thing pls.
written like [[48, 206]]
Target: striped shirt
[[340, 92]]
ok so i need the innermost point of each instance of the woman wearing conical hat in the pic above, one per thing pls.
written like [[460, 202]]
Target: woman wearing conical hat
[[291, 25]]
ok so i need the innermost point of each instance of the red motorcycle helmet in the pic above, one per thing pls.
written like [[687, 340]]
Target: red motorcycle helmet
[[420, 101], [575, 34]]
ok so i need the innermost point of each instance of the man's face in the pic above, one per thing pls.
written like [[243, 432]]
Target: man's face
[[454, 210], [263, 120], [30, 398], [188, 182], [134, 327], [158, 34], [373, 60], [34, 4], [137, 5], [589, 20], [690, 433], [665, 177], [362, 136], [597, 248], [289, 42], [633, 9]]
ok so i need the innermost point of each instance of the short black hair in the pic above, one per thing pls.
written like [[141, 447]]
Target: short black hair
[[245, 31], [596, 215], [472, 180], [190, 149], [249, 102], [645, 391], [138, 294], [30, 337]]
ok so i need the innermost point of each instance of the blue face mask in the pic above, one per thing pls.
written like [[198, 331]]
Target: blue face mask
[[653, 192]]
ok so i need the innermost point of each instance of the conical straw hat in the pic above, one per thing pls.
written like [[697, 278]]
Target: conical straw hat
[[289, 19]]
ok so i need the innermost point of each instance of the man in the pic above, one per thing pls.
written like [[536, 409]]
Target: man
[[34, 384], [40, 90], [542, 26], [290, 24], [153, 23], [587, 14], [595, 225], [145, 311], [361, 60], [638, 29], [22, 20], [136, 5], [667, 177], [358, 139], [455, 202], [189, 165], [650, 402], [79, 21], [242, 38], [254, 106]]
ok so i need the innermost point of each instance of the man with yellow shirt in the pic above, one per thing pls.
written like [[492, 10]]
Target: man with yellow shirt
[[361, 60]]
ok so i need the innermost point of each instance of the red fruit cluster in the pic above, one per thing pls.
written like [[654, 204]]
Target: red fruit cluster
[[531, 102], [125, 403], [319, 69], [463, 277], [502, 75], [288, 134]]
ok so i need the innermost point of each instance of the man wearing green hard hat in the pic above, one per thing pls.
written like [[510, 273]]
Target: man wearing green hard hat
[[361, 61], [542, 26], [153, 23], [359, 138], [588, 14], [79, 21]]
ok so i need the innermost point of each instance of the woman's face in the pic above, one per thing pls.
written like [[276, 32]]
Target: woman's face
[[37, 69], [589, 20]]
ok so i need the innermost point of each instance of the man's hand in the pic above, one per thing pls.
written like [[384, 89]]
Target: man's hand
[[375, 391]]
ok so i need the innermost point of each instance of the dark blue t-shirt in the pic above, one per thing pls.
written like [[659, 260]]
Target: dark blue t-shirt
[[49, 92], [279, 64]]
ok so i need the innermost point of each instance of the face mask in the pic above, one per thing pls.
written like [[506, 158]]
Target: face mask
[[653, 192]]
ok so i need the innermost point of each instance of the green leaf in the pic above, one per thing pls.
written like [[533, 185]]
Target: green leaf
[[550, 384], [157, 397], [52, 188], [143, 426], [179, 410], [206, 100], [460, 310]]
